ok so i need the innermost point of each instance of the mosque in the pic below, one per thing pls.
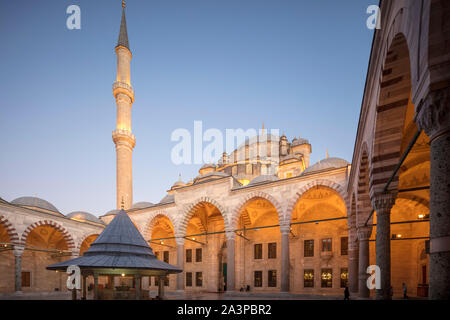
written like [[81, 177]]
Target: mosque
[[273, 222]]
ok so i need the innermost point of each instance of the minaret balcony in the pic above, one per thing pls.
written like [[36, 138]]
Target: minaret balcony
[[123, 87], [121, 136]]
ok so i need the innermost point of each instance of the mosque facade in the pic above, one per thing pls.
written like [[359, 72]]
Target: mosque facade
[[273, 222]]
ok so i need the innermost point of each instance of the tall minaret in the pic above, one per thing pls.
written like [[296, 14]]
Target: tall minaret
[[122, 136]]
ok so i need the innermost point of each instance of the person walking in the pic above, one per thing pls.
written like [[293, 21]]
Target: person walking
[[346, 294], [405, 291]]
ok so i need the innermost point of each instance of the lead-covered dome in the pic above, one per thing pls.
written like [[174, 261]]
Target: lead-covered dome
[[141, 205], [167, 199], [83, 216], [263, 178], [34, 202], [328, 163]]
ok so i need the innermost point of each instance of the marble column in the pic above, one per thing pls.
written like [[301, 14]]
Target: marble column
[[382, 204], [353, 261], [180, 264], [433, 116], [18, 251], [285, 263], [138, 286], [161, 287], [363, 237], [230, 262], [95, 286], [84, 284]]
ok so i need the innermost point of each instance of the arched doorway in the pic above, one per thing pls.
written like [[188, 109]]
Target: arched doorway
[[163, 244], [319, 237], [258, 246], [205, 261], [87, 243], [44, 245]]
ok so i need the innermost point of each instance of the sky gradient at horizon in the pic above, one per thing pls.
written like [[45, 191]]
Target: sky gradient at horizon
[[297, 66]]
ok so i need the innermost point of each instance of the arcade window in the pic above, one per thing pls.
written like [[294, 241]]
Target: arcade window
[[188, 255], [198, 255], [258, 279], [188, 279], [272, 281], [198, 279], [308, 278], [344, 277], [344, 246], [309, 248], [26, 279], [326, 245], [327, 278], [258, 251], [166, 256], [272, 250]]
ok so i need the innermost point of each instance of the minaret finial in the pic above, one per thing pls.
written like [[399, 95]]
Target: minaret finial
[[263, 128], [327, 153], [179, 177], [123, 3]]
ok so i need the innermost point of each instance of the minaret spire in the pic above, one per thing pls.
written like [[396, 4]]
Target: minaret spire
[[123, 35], [123, 138]]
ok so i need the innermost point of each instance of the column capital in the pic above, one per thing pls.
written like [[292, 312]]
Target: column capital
[[230, 235], [364, 232], [433, 114], [383, 202], [18, 250], [285, 228]]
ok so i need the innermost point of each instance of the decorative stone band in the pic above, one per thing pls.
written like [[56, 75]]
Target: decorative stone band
[[285, 229], [124, 136], [230, 235], [383, 202], [364, 233], [18, 250], [441, 244], [124, 88], [433, 114]]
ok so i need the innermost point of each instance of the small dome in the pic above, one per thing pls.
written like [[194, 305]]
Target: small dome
[[178, 184], [299, 141], [210, 176], [328, 163], [112, 212], [167, 199], [86, 216], [263, 178], [208, 165], [141, 205], [34, 202]]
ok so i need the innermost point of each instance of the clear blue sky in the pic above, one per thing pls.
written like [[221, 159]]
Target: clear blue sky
[[298, 66]]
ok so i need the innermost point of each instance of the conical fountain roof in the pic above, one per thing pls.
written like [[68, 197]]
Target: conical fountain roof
[[120, 245]]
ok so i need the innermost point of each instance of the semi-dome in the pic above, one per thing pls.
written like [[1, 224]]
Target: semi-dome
[[328, 163], [263, 178], [83, 216], [34, 202], [167, 199], [141, 205]]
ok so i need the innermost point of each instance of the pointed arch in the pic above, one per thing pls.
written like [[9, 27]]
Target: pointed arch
[[12, 233], [66, 235], [316, 183], [151, 221], [254, 195], [190, 209]]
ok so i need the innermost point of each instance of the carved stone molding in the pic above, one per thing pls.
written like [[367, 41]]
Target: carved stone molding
[[434, 113], [383, 202], [364, 233]]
